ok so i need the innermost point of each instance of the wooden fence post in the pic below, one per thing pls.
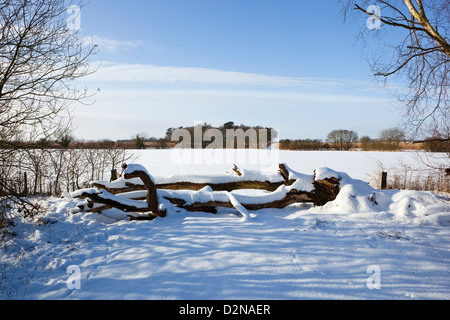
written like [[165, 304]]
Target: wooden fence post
[[383, 180], [25, 184]]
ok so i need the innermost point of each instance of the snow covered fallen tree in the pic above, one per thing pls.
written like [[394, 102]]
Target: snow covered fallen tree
[[139, 196]]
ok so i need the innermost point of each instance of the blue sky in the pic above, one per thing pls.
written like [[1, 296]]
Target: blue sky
[[288, 64]]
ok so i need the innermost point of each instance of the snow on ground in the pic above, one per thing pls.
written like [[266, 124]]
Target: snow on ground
[[366, 244], [163, 164]]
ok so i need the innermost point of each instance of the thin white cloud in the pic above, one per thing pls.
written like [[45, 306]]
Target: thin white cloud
[[110, 44], [145, 73], [184, 97]]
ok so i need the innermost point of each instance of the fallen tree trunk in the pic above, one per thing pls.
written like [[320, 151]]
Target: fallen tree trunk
[[228, 186], [113, 201], [109, 200], [211, 206], [117, 187], [327, 191], [291, 188], [184, 185]]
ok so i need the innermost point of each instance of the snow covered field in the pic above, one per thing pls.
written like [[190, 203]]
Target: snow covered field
[[359, 165], [351, 248]]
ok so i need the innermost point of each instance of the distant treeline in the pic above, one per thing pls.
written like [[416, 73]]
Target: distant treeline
[[392, 139], [303, 144], [248, 137], [430, 144]]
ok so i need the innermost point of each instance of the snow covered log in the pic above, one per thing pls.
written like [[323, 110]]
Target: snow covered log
[[325, 190], [216, 183], [111, 200], [211, 206], [137, 191], [138, 171], [127, 204], [185, 185], [318, 189]]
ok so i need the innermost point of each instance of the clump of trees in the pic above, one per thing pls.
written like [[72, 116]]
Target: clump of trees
[[389, 140], [342, 139], [435, 144], [303, 144], [201, 134], [139, 141]]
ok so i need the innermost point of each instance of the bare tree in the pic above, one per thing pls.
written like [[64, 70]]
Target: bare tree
[[393, 137], [419, 55], [342, 139], [39, 60]]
